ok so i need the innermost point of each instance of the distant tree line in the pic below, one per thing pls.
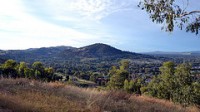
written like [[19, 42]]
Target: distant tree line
[[12, 69]]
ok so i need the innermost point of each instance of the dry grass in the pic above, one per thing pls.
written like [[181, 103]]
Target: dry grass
[[22, 95]]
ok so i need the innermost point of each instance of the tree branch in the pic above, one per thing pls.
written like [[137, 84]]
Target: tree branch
[[189, 13]]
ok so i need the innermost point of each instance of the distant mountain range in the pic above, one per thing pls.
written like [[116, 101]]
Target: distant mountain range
[[63, 53], [189, 53]]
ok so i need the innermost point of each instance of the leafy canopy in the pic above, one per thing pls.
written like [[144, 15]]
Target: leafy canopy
[[169, 13]]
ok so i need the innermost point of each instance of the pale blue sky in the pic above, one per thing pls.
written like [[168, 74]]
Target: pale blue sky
[[120, 23]]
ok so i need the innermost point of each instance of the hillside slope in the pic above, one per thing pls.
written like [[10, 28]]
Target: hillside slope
[[63, 53], [22, 95], [101, 51], [33, 54]]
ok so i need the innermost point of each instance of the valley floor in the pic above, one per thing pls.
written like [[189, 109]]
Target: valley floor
[[20, 95]]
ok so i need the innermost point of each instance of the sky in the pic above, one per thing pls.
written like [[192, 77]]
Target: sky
[[120, 23]]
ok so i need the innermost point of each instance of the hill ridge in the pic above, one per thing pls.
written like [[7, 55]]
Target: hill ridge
[[60, 54]]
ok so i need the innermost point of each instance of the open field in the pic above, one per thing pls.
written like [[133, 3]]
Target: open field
[[28, 95]]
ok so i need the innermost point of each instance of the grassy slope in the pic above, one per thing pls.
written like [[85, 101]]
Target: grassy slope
[[28, 95]]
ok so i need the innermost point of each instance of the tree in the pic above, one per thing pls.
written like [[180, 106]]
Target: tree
[[29, 73], [117, 79], [112, 71], [118, 76], [196, 87], [22, 67], [126, 86], [169, 13], [175, 84], [163, 85], [167, 83], [38, 66], [49, 73], [39, 70], [38, 74], [9, 68], [124, 65], [184, 92]]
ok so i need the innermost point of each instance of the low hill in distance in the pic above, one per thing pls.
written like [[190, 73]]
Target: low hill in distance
[[33, 53], [95, 58], [178, 57], [67, 53], [161, 53], [101, 51]]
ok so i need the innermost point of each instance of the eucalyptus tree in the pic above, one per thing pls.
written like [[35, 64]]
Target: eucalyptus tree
[[173, 13]]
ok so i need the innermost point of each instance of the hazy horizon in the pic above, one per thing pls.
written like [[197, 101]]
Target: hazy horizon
[[102, 43], [121, 24]]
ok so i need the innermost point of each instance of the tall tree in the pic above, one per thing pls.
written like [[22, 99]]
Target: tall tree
[[167, 75], [184, 91], [163, 85], [176, 84], [126, 85], [117, 80], [49, 73], [118, 76], [21, 69], [39, 70]]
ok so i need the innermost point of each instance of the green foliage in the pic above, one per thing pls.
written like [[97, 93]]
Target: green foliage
[[167, 12], [173, 84], [118, 76], [38, 66], [9, 68], [37, 74], [167, 84], [112, 71], [13, 69], [21, 69], [196, 91], [131, 85], [124, 65], [126, 85], [10, 64], [135, 86], [163, 85], [117, 80], [49, 73], [49, 70], [28, 73], [184, 91]]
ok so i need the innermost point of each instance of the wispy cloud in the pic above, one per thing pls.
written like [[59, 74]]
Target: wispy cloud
[[31, 32], [98, 9], [37, 23], [80, 15], [90, 9]]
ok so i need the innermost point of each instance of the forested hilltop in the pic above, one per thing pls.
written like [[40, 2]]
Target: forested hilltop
[[92, 58]]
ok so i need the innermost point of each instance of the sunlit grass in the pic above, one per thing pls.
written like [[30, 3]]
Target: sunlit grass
[[29, 95]]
